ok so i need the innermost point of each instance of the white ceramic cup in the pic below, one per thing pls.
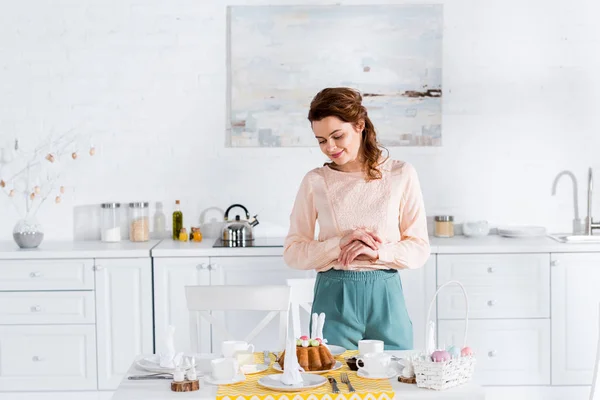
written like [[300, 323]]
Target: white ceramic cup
[[375, 363], [230, 347], [370, 346], [224, 368]]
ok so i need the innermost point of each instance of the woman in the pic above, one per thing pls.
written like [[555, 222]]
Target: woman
[[371, 224]]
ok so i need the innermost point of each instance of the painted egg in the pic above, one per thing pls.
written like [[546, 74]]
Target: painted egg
[[440, 356], [466, 352], [305, 343], [453, 351], [304, 337], [298, 342]]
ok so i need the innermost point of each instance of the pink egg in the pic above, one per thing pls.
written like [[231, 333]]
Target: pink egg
[[440, 356], [466, 352]]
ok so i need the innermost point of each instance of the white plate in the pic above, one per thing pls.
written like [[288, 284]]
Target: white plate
[[521, 231], [336, 350], [152, 364], [250, 369], [391, 373], [337, 365], [309, 381], [237, 379]]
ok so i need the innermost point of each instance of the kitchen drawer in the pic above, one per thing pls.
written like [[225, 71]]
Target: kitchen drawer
[[47, 357], [508, 352], [498, 285], [46, 275], [47, 307]]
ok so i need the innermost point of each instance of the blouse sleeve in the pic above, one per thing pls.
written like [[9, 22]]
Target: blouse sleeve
[[301, 250], [412, 251]]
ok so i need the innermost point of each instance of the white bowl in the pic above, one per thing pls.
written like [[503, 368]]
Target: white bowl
[[476, 228]]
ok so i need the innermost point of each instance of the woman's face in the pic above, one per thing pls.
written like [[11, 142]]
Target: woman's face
[[338, 140]]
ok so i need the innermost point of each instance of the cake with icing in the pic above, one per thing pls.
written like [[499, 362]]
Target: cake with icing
[[312, 355]]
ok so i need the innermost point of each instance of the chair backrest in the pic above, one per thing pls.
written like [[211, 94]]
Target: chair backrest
[[202, 299], [595, 391], [301, 298]]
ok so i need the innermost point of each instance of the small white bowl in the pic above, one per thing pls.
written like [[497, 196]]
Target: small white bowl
[[476, 228]]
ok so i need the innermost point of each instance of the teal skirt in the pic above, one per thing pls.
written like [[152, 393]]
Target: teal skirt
[[363, 305]]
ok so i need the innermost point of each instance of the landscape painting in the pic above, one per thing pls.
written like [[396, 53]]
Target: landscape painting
[[279, 57]]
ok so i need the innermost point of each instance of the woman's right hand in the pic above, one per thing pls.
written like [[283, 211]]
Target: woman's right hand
[[363, 235]]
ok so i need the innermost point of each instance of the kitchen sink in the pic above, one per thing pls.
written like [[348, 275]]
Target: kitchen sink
[[566, 238]]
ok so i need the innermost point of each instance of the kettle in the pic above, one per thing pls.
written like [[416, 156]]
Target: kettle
[[238, 230]]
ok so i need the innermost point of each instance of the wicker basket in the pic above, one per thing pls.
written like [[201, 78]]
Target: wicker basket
[[447, 374]]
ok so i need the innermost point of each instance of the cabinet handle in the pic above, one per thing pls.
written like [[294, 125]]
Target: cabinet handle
[[35, 274], [555, 263], [36, 308], [213, 267], [491, 303], [492, 353], [202, 266], [491, 270], [36, 359], [98, 268]]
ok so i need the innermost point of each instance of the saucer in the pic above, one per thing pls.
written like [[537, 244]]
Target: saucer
[[236, 379], [250, 369], [391, 373], [336, 350]]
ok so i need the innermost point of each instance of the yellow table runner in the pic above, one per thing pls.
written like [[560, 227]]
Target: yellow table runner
[[366, 389]]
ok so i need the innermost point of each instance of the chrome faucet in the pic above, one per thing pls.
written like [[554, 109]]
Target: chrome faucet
[[590, 225]]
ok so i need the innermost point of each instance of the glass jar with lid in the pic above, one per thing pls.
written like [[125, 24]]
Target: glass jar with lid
[[110, 222], [444, 226], [139, 222]]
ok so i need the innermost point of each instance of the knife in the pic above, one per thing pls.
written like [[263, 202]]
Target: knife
[[267, 357], [334, 386], [144, 377]]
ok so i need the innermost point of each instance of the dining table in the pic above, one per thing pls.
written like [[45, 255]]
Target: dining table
[[160, 389]]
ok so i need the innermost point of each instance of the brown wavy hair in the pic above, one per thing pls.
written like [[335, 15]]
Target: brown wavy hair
[[346, 104]]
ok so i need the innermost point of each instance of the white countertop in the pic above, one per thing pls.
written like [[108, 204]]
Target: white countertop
[[83, 249], [455, 245], [170, 248]]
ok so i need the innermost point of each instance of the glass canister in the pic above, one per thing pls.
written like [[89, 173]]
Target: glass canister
[[444, 226], [110, 222], [139, 222]]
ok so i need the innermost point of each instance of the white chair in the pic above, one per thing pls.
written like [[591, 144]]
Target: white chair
[[595, 391], [203, 299], [301, 297]]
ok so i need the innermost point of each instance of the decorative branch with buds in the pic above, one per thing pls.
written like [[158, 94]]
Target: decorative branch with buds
[[29, 176]]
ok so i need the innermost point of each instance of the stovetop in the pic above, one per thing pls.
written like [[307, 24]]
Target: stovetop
[[258, 242]]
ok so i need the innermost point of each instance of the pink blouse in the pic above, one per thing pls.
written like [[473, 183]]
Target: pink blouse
[[340, 201]]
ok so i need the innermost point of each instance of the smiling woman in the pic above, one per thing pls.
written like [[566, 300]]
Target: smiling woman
[[371, 224]]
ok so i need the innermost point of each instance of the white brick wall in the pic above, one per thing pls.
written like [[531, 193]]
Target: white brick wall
[[521, 103]]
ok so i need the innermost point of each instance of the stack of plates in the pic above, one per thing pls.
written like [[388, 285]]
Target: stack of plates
[[521, 231]]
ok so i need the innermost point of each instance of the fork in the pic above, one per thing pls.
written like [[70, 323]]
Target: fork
[[346, 380]]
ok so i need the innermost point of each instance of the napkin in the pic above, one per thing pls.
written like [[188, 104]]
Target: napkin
[[291, 369], [170, 359]]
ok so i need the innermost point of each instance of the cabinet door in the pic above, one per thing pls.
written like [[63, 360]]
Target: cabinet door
[[47, 357], [124, 316], [171, 275], [508, 351], [250, 271], [575, 299], [418, 286]]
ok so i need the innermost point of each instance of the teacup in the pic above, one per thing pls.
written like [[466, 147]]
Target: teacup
[[224, 368], [370, 346], [375, 363], [230, 347]]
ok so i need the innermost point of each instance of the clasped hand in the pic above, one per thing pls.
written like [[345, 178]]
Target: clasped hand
[[359, 244]]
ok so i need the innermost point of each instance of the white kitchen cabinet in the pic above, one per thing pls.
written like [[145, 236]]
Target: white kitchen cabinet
[[171, 275], [47, 357], [508, 352], [498, 285], [250, 271], [124, 316], [575, 299]]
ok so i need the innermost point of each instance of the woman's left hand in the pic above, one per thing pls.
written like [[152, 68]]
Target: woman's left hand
[[354, 250]]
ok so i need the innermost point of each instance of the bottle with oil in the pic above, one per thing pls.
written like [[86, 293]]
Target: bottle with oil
[[177, 220]]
